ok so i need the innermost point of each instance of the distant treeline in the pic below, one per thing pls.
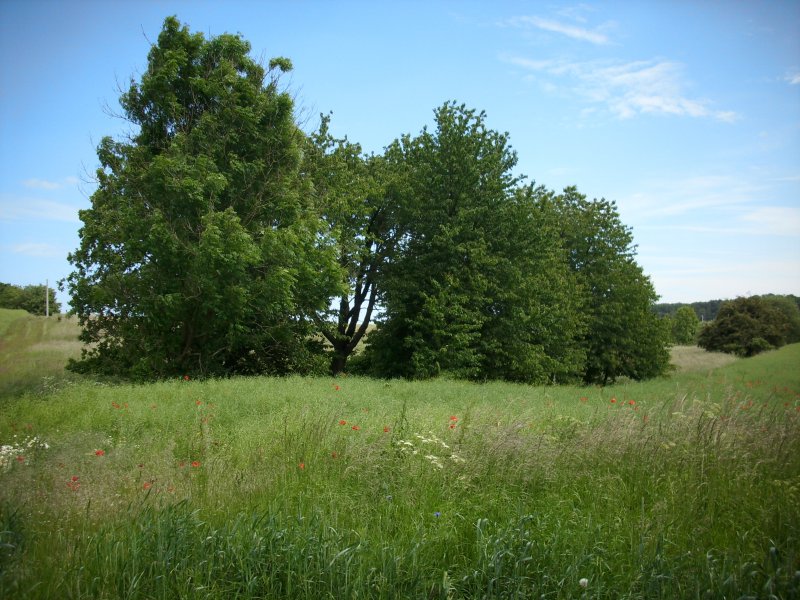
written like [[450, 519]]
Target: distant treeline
[[29, 297], [707, 311]]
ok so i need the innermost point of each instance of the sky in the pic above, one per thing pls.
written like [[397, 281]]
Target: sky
[[686, 114]]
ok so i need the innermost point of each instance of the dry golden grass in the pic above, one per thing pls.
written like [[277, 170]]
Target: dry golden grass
[[690, 359]]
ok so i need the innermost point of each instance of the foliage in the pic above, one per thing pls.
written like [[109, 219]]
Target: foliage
[[748, 326], [674, 488], [354, 194], [624, 337], [685, 325], [478, 287], [30, 298], [200, 253]]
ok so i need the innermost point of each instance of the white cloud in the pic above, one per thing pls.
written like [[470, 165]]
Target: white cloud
[[15, 208], [44, 184], [774, 220], [793, 77], [678, 196], [571, 31], [627, 89], [38, 250]]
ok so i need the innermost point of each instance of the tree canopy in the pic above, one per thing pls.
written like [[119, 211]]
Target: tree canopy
[[200, 253], [30, 298], [748, 326], [223, 239]]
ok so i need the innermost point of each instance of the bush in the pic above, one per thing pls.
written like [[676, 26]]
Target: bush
[[746, 327]]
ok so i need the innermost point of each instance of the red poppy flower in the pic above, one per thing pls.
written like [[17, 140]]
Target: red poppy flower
[[342, 422], [452, 426], [386, 429], [197, 402], [584, 399], [99, 452], [613, 401], [631, 402], [336, 387], [454, 418], [195, 463], [186, 378], [301, 466], [147, 485], [355, 427]]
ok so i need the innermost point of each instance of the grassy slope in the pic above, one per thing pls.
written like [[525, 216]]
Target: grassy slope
[[680, 487], [34, 351]]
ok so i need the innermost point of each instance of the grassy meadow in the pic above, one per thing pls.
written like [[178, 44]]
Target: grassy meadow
[[680, 487]]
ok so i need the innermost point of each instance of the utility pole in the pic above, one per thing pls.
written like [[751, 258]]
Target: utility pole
[[46, 297]]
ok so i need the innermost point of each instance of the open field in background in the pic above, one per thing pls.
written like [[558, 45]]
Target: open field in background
[[682, 487]]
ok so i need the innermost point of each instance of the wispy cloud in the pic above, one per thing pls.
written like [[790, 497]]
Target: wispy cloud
[[793, 77], [44, 184], [14, 208], [627, 89], [571, 31], [679, 196], [38, 250], [774, 220]]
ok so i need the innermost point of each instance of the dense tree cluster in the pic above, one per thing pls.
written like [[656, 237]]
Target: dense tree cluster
[[748, 326], [684, 325], [30, 297], [220, 235]]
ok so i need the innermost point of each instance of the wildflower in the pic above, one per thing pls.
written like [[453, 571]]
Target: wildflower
[[75, 478], [186, 378], [99, 452], [584, 399], [613, 400], [583, 582], [334, 455], [386, 429], [631, 402], [437, 514], [355, 428], [342, 422], [452, 425], [336, 387], [115, 405], [453, 418], [195, 463], [147, 485], [301, 466]]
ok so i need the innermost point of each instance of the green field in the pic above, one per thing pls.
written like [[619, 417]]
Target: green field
[[681, 487]]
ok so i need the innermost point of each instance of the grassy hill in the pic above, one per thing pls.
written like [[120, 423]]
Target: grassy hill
[[681, 487]]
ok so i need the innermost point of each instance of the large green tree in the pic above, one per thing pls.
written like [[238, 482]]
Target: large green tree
[[200, 253], [624, 336], [355, 195], [748, 326], [478, 286], [684, 325]]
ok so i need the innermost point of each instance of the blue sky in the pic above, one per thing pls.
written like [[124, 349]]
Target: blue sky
[[687, 114]]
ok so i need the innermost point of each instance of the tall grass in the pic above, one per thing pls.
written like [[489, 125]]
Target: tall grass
[[686, 487], [34, 351]]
